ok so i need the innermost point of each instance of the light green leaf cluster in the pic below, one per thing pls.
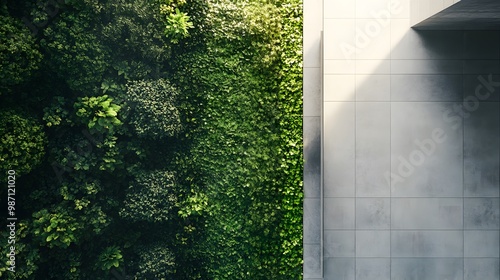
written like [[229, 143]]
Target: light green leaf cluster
[[98, 113], [177, 23], [55, 229], [110, 257]]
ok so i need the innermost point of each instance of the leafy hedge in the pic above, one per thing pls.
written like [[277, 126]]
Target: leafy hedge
[[243, 104], [171, 145], [290, 108]]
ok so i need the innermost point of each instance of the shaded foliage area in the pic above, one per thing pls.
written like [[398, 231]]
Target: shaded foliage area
[[19, 55], [23, 142], [155, 138]]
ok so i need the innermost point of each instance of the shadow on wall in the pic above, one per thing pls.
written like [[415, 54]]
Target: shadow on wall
[[412, 155]]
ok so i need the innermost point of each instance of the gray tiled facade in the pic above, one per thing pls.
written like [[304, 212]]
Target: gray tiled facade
[[402, 146], [312, 73]]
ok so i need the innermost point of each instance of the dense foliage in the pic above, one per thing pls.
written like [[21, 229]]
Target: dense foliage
[[154, 112], [22, 146], [159, 139]]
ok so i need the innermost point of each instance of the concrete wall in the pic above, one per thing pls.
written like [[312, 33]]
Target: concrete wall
[[411, 155], [313, 26]]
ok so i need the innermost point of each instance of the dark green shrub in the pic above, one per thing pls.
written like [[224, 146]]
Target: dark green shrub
[[23, 142], [156, 261], [24, 269], [75, 52], [153, 111], [151, 197], [19, 55]]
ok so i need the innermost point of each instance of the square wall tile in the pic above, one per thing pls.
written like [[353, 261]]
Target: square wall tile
[[482, 149], [373, 40], [373, 9], [482, 213], [482, 269], [339, 66], [373, 66], [426, 88], [400, 9], [482, 243], [339, 268], [373, 154], [427, 244], [338, 243], [482, 44], [339, 87], [376, 243], [373, 268], [400, 30], [312, 220], [339, 38], [373, 213], [337, 9], [426, 66], [428, 269], [338, 213], [312, 261], [373, 87], [339, 148], [442, 44], [427, 150], [484, 67], [427, 213], [483, 87]]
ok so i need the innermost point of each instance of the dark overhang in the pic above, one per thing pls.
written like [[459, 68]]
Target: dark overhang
[[465, 15]]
